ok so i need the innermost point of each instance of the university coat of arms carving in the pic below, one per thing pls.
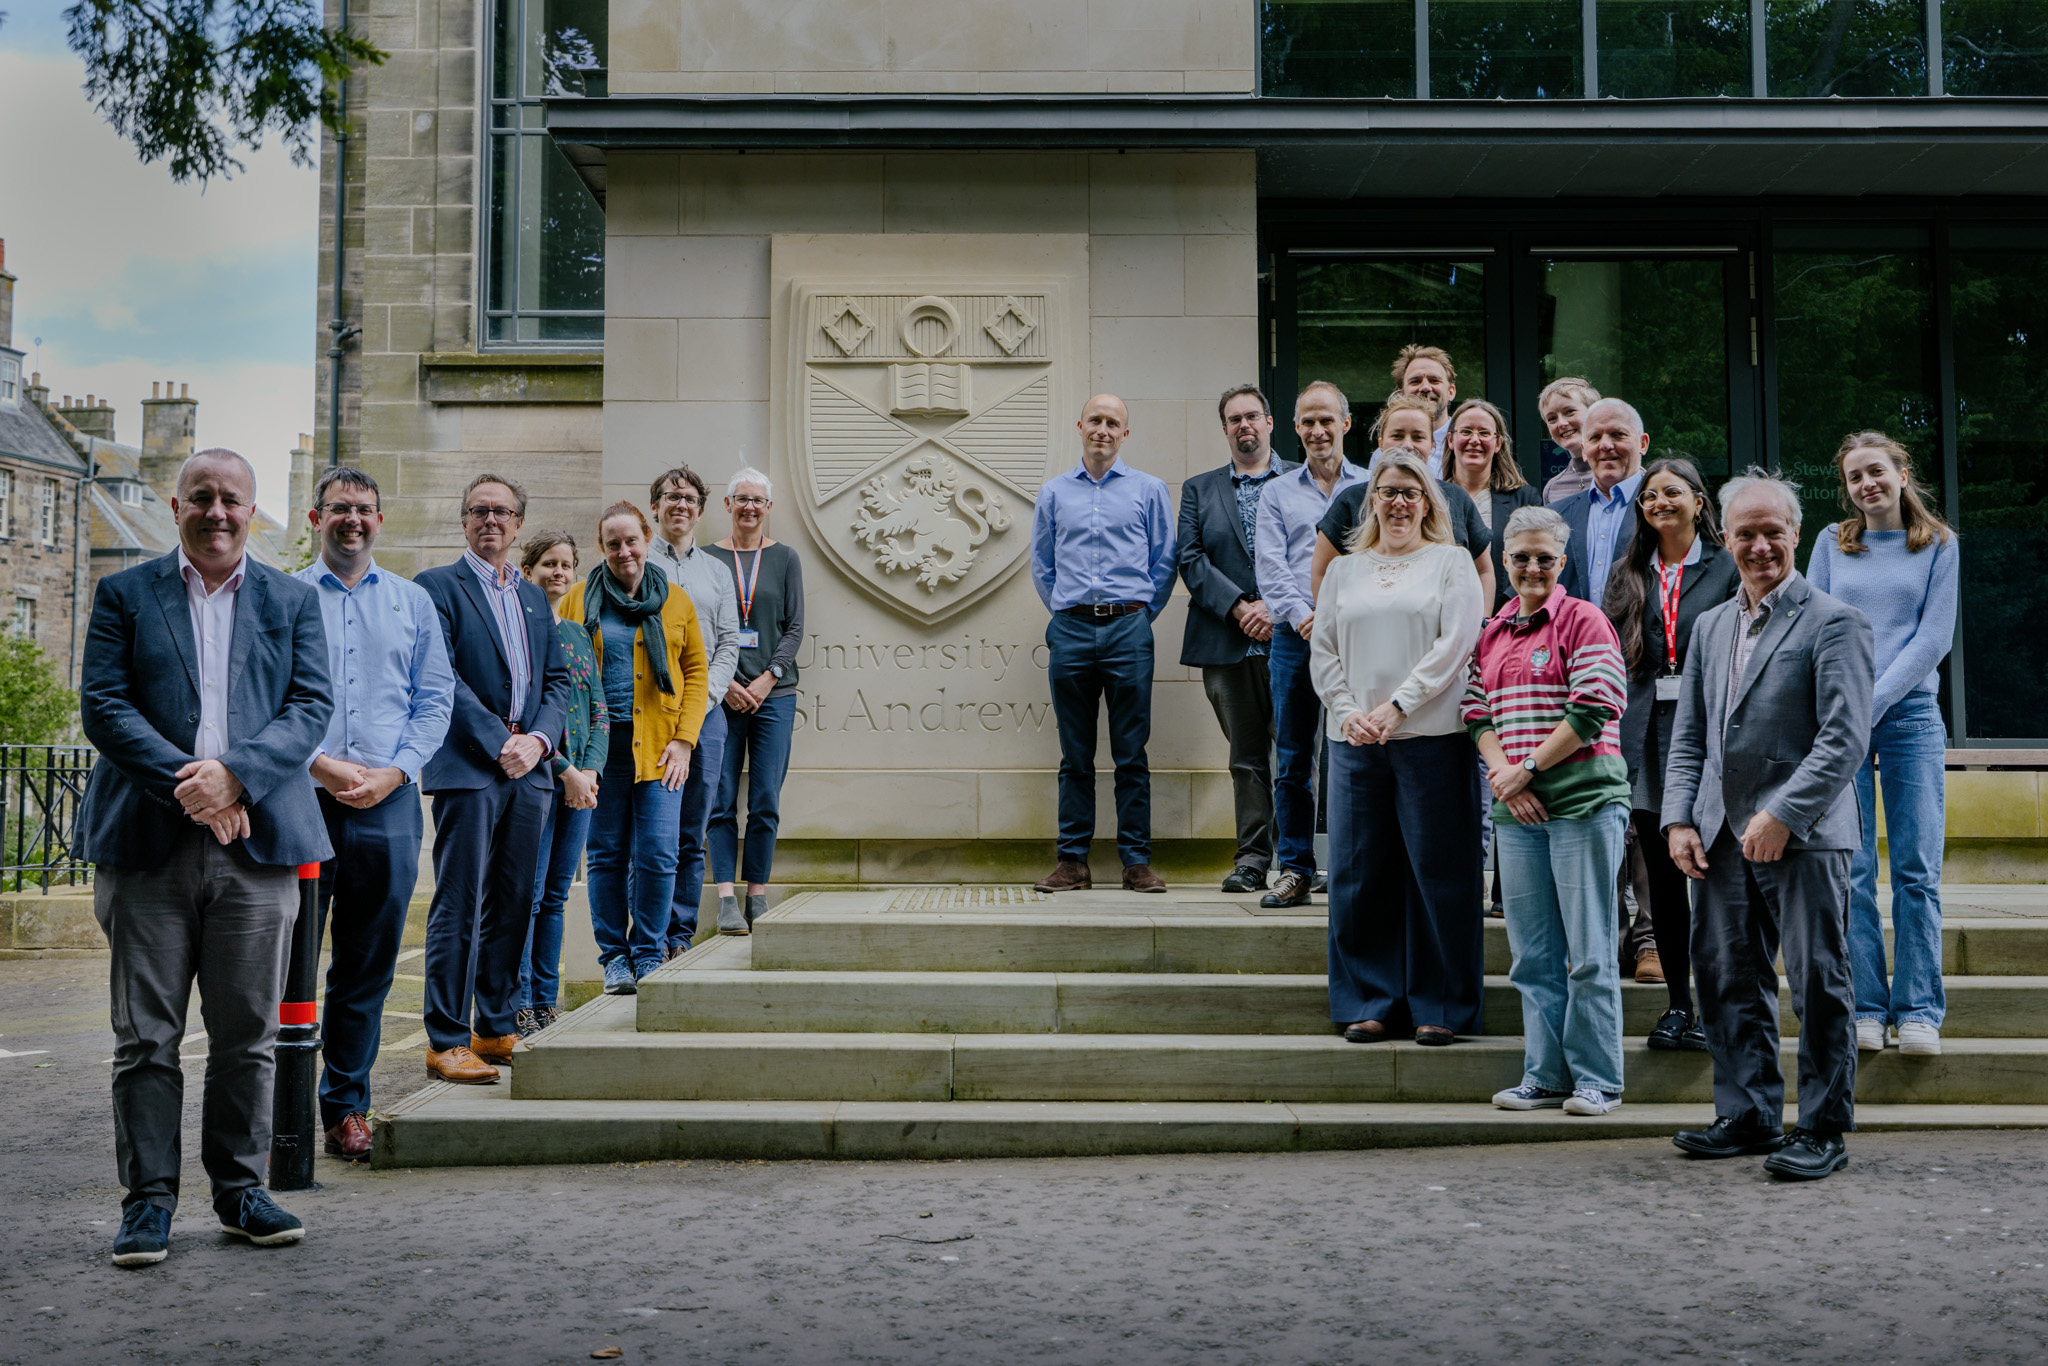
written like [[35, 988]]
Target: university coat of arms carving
[[922, 426]]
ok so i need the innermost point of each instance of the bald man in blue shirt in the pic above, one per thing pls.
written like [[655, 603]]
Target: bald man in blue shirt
[[1102, 557]]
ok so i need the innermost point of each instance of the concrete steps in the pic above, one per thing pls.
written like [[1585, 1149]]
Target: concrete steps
[[985, 1021]]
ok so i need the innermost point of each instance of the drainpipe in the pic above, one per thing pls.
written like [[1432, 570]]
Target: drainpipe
[[338, 324], [79, 530]]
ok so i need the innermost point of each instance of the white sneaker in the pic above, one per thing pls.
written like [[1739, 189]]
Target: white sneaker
[[1527, 1097], [1870, 1036], [1589, 1101], [1919, 1039]]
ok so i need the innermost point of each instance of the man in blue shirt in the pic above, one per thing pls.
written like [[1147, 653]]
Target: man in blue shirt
[[393, 693], [1603, 518], [1102, 558]]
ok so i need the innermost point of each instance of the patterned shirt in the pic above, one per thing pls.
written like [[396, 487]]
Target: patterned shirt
[[503, 596], [1248, 487], [1752, 623]]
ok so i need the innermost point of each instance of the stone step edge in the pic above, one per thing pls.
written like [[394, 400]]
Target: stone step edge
[[446, 1125]]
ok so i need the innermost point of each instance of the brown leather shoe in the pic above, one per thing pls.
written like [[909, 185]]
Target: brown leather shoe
[[493, 1050], [1649, 967], [1139, 877], [459, 1065], [351, 1137], [1365, 1031], [1290, 890], [1069, 875]]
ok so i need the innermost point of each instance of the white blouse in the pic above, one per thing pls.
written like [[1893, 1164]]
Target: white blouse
[[1396, 628]]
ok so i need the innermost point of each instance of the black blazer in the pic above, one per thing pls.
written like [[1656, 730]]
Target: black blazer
[[1646, 725], [468, 759], [139, 705], [1578, 567], [1216, 565], [1504, 505]]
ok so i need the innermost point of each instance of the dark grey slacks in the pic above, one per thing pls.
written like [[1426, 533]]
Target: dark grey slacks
[[214, 915], [1746, 913], [1242, 696]]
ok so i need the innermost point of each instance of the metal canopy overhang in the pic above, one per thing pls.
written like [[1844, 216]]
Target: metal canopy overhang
[[1429, 148]]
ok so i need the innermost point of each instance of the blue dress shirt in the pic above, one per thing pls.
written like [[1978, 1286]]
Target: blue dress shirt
[[393, 689], [1603, 523], [1107, 541], [1285, 543]]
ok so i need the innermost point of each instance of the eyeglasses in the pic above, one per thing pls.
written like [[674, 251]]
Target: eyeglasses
[[1243, 420], [348, 509], [1398, 495], [1546, 563], [747, 500], [487, 514], [685, 498]]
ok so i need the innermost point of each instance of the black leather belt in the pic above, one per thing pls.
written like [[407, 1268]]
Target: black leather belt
[[1102, 611]]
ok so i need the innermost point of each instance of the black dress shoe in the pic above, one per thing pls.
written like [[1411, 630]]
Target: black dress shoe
[[1320, 883], [1808, 1156], [1694, 1040], [1290, 890], [1726, 1138], [1669, 1035], [1245, 878]]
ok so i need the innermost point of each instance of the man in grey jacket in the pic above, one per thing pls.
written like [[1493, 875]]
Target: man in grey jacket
[[1760, 803]]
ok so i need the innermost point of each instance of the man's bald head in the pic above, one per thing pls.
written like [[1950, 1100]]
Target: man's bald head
[[218, 460], [1110, 403], [1105, 424]]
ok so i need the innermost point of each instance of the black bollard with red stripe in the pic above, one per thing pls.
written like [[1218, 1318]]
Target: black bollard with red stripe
[[294, 1129]]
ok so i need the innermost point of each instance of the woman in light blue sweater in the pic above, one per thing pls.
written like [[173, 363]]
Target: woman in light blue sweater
[[1894, 559]]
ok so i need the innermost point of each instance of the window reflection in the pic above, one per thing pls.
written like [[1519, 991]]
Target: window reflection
[[1349, 48], [1994, 47], [1666, 49], [1506, 50], [1818, 48]]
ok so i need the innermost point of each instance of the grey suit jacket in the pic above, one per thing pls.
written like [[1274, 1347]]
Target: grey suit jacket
[[1798, 731]]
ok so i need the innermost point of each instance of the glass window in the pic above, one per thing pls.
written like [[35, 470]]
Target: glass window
[[7, 503], [544, 232], [1994, 47], [1353, 316], [1652, 331], [1856, 352], [1354, 48], [1846, 47], [10, 379], [1999, 300], [24, 622], [1663, 49], [1506, 49], [49, 512]]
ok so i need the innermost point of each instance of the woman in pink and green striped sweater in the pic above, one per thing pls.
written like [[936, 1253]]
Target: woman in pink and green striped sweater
[[1544, 705]]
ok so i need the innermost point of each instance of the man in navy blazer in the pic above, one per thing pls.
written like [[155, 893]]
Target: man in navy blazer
[[1603, 518], [489, 786], [204, 688]]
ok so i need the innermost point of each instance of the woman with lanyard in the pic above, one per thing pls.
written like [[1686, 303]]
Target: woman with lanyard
[[760, 703], [653, 666], [1676, 568]]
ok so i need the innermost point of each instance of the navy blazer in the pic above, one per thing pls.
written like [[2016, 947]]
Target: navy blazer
[[139, 706], [1577, 510], [1216, 565], [477, 731]]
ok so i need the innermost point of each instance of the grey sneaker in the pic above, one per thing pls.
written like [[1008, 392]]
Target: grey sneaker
[[730, 921], [1588, 1100], [1917, 1038], [757, 906], [618, 978], [1529, 1098]]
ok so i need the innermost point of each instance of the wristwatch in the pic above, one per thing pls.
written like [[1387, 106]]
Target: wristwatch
[[1529, 765], [776, 669]]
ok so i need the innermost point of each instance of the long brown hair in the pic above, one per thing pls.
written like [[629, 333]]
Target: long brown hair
[[1626, 584], [1923, 525], [1507, 475]]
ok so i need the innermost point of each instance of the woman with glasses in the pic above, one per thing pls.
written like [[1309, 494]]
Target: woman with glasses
[[652, 662], [1676, 568], [1395, 620], [549, 562], [1544, 702], [760, 703]]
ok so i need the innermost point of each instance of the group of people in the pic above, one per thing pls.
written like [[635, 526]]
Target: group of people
[[252, 724], [1624, 697]]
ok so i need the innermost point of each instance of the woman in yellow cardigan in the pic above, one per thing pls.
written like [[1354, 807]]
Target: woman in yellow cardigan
[[652, 664]]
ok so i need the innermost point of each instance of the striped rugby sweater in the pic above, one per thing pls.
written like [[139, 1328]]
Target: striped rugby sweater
[[1564, 664]]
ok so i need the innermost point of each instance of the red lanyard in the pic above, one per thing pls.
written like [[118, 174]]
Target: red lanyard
[[747, 585], [1670, 583]]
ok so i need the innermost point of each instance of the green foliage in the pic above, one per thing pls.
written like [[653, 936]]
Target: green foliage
[[35, 706], [192, 81]]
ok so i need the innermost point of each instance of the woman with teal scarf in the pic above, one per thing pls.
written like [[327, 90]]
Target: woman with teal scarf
[[652, 663]]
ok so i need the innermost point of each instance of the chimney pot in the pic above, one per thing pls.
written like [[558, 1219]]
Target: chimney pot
[[153, 387], [184, 391]]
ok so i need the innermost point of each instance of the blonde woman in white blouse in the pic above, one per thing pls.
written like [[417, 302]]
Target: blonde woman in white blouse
[[1395, 623]]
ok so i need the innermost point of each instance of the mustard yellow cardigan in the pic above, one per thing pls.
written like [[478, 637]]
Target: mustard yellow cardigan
[[660, 717]]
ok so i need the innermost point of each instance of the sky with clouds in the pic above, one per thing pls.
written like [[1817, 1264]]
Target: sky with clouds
[[130, 278]]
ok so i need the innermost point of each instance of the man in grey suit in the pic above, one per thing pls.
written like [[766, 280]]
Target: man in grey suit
[[204, 687], [1760, 804]]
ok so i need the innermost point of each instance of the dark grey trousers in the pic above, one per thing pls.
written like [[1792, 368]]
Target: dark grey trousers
[[1242, 696], [213, 915], [1746, 913]]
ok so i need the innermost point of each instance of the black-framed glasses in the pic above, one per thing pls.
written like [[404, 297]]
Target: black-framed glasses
[[1398, 495], [686, 497], [748, 500], [489, 514], [1546, 563], [347, 509], [1243, 420]]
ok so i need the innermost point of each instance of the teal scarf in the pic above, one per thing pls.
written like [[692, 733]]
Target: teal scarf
[[642, 608]]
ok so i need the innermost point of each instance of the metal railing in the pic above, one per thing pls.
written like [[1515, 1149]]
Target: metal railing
[[41, 790]]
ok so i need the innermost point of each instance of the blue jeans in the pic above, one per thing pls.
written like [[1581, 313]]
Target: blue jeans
[[1557, 882], [1297, 734], [707, 768], [757, 741], [632, 873], [561, 849], [1908, 743], [1096, 666]]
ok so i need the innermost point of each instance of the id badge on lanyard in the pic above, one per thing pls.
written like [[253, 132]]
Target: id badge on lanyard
[[748, 637], [1670, 584]]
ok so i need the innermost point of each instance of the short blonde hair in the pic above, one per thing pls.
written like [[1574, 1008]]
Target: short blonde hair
[[1436, 521]]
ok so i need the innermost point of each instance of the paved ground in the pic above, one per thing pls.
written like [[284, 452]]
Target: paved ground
[[1928, 1249]]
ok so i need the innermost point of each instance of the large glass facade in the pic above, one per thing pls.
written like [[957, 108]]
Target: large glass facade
[[544, 231], [1506, 49], [1665, 49], [1358, 48], [1994, 47], [1817, 48]]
